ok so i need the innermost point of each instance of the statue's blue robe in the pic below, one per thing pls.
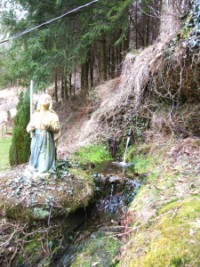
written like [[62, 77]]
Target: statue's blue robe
[[42, 151]]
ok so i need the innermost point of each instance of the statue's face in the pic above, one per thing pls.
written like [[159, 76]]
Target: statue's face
[[45, 100]]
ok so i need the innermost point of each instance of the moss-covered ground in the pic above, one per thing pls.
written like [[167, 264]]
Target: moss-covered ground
[[97, 251], [166, 227]]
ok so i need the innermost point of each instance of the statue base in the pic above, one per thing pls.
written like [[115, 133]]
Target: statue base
[[30, 172]]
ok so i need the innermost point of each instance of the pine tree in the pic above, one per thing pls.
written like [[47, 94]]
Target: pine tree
[[67, 44]]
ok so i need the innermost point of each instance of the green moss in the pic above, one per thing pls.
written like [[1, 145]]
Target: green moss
[[32, 251], [81, 174], [143, 163], [100, 250], [130, 153], [33, 246], [143, 200], [166, 210], [82, 191], [40, 243], [185, 32], [93, 153], [171, 240]]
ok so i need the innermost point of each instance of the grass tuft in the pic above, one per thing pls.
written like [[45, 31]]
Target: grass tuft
[[4, 153], [93, 153]]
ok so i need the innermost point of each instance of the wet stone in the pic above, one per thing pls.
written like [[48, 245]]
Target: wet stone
[[114, 179]]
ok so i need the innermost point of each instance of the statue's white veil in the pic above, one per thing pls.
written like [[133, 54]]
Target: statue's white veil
[[40, 100]]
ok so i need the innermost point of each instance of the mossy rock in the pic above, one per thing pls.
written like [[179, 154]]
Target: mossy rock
[[42, 198]]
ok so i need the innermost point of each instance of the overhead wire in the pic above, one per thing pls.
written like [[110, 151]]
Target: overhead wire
[[17, 35]]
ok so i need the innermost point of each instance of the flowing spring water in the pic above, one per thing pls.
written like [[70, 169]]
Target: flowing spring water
[[123, 163], [114, 191], [125, 153]]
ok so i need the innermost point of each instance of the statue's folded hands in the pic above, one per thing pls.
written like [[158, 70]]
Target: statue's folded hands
[[30, 128]]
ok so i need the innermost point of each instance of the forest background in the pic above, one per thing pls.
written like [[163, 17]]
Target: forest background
[[80, 50]]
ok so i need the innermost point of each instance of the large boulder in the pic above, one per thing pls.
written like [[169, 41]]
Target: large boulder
[[39, 197]]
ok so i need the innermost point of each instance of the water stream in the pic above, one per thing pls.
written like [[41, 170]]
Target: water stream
[[125, 153], [115, 189]]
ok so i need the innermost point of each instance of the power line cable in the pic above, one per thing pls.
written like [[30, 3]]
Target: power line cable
[[17, 35]]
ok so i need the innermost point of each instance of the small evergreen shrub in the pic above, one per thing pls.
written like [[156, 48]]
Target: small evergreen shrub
[[20, 147]]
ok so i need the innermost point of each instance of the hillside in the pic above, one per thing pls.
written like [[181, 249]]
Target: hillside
[[157, 96], [134, 101]]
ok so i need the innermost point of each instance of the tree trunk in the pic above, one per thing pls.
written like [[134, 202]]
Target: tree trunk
[[170, 13], [103, 60], [113, 60], [136, 24], [84, 78], [75, 82], [66, 93], [63, 85], [147, 30], [120, 49], [70, 85], [56, 86], [91, 67]]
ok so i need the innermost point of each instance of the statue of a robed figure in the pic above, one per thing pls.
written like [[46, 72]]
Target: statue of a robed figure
[[44, 126]]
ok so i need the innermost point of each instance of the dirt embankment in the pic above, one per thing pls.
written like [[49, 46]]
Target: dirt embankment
[[154, 96]]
